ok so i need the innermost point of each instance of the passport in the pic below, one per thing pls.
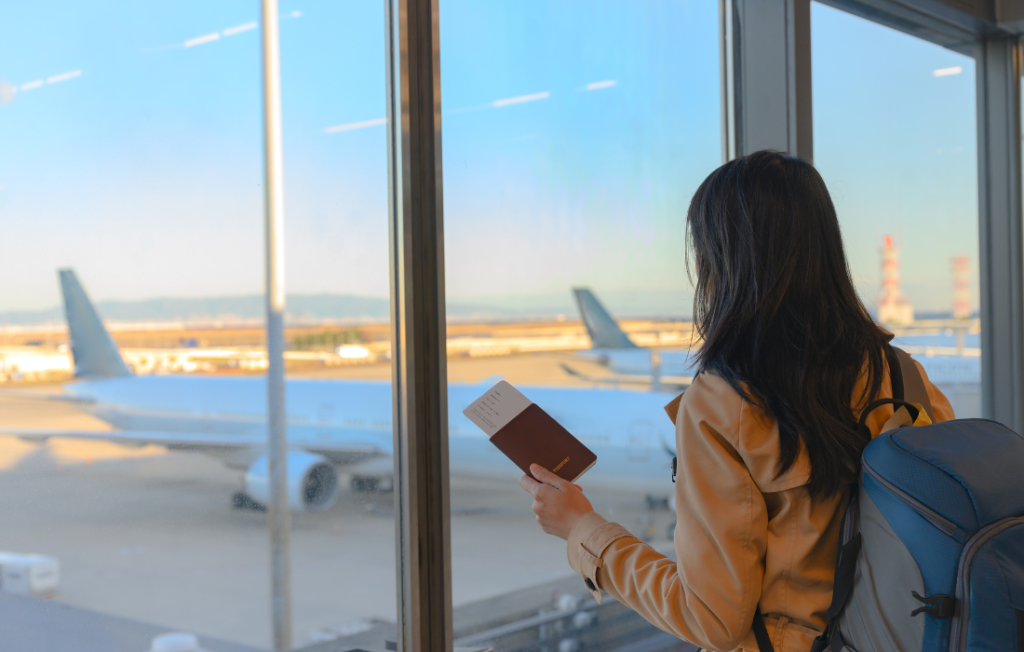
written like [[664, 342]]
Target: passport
[[527, 435]]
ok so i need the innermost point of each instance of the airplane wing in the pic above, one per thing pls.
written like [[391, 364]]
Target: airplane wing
[[182, 440], [30, 395], [681, 382], [346, 450]]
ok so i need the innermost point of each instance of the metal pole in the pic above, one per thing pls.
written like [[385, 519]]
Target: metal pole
[[1001, 230], [766, 76], [277, 432], [727, 63], [798, 54], [423, 540]]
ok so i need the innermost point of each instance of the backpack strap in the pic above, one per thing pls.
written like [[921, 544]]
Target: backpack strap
[[908, 388], [764, 642], [908, 392], [846, 567], [913, 383], [892, 357]]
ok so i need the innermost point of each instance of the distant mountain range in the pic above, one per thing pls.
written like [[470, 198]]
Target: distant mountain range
[[320, 308], [243, 309]]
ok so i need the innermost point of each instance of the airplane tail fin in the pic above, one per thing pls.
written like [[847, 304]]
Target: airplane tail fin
[[94, 352], [604, 331]]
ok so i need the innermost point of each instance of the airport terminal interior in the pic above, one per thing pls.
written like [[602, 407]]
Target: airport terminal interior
[[200, 199]]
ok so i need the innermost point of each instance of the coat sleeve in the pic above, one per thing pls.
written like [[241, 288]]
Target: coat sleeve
[[709, 595]]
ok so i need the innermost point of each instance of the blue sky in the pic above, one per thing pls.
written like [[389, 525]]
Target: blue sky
[[896, 146], [144, 172]]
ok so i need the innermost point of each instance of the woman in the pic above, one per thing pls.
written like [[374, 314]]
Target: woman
[[767, 443]]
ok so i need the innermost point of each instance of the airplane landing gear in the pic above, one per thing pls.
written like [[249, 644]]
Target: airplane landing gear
[[364, 484], [371, 484], [241, 500]]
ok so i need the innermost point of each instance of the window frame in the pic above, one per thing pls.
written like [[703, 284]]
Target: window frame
[[766, 85], [419, 348], [766, 81]]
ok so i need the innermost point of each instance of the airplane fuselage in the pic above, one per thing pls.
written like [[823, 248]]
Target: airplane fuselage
[[628, 430], [673, 362]]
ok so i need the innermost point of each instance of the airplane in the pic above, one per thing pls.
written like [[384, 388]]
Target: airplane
[[630, 364], [334, 424], [955, 370]]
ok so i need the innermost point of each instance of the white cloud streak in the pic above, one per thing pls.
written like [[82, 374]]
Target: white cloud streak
[[596, 86], [56, 79], [352, 126], [199, 40], [946, 72], [520, 99], [497, 104], [238, 29], [32, 84]]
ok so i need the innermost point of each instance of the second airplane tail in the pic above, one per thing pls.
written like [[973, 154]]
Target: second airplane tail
[[604, 331], [92, 348]]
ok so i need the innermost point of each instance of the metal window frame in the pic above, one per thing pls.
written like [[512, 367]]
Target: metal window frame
[[766, 74], [419, 367], [766, 77], [1000, 266], [766, 86]]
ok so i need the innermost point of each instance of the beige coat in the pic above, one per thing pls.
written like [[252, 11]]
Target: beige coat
[[743, 537]]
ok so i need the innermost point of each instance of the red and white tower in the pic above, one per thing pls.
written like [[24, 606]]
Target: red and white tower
[[893, 307], [962, 287]]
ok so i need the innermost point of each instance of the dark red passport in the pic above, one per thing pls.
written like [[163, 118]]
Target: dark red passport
[[527, 434]]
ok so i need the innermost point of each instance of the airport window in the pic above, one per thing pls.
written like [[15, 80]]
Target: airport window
[[574, 136], [134, 480], [132, 159], [895, 139]]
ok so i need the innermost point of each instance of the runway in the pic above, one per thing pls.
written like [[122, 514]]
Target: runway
[[150, 535]]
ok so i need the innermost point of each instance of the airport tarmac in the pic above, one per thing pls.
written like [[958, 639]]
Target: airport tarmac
[[150, 535]]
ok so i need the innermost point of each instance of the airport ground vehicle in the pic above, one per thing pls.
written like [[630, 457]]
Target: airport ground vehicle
[[28, 574]]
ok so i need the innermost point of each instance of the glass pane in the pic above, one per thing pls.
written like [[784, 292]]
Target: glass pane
[[574, 136], [132, 153], [895, 140]]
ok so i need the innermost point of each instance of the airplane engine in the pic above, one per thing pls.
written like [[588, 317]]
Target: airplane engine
[[312, 482]]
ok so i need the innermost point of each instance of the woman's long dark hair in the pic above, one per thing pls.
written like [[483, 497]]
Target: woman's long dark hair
[[776, 308]]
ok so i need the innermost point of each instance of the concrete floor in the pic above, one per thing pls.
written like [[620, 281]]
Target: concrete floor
[[150, 535]]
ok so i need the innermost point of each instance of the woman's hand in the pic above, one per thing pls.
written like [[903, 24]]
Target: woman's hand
[[557, 503]]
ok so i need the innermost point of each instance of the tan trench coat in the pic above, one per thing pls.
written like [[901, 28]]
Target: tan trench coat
[[742, 538]]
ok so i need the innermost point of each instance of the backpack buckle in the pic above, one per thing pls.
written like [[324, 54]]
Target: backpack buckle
[[936, 606]]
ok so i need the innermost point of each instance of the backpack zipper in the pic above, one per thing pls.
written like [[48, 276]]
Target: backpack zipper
[[948, 527], [958, 633]]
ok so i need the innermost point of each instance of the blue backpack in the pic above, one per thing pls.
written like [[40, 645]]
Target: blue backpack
[[931, 552]]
